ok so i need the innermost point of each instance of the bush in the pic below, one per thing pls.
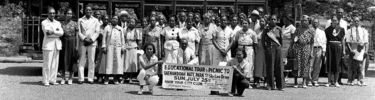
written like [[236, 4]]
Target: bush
[[10, 29]]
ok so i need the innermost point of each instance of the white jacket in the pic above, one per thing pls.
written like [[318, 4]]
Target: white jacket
[[52, 42]]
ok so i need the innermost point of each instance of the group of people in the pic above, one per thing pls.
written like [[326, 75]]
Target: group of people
[[256, 46]]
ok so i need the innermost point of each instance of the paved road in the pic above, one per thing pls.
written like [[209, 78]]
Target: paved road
[[21, 81]]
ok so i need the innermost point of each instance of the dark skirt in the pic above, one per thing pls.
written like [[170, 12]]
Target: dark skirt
[[68, 54], [334, 57]]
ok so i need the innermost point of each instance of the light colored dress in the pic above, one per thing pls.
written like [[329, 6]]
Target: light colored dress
[[131, 56], [206, 46], [191, 35], [247, 40], [114, 42], [222, 40], [171, 45]]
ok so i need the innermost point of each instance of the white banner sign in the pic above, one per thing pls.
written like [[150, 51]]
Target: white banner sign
[[197, 77]]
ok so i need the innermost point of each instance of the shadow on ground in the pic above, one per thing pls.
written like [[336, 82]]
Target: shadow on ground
[[157, 94], [370, 73], [22, 71], [32, 83]]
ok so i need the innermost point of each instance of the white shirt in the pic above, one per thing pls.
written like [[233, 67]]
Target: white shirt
[[357, 35], [232, 31], [288, 31], [191, 35], [353, 34], [89, 28], [52, 42], [320, 39]]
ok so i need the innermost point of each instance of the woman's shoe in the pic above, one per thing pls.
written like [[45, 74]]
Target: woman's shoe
[[116, 82], [337, 85], [140, 92], [62, 82], [70, 82]]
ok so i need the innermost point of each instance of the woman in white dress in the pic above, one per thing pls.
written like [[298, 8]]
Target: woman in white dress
[[131, 38], [113, 46], [171, 45]]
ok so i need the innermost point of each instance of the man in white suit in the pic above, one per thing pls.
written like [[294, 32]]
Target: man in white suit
[[51, 47], [88, 31]]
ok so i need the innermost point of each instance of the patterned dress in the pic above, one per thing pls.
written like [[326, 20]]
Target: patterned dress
[[153, 36], [69, 43], [303, 51]]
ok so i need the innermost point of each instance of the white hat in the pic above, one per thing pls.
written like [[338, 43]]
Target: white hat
[[255, 12], [123, 13]]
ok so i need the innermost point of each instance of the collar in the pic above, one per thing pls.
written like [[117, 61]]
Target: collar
[[84, 17], [191, 29], [53, 20]]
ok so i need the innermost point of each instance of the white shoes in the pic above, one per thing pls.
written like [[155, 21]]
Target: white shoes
[[62, 82], [140, 92], [70, 82]]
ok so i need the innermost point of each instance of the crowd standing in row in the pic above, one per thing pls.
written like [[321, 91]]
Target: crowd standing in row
[[255, 46]]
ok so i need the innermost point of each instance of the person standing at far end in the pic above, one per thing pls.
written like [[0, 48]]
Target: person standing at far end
[[357, 42]]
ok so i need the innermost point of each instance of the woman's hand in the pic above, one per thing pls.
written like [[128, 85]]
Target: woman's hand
[[104, 50], [285, 61], [159, 62], [295, 39]]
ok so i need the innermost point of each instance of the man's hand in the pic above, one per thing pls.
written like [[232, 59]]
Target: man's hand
[[159, 62], [123, 51], [49, 32], [323, 53], [285, 61]]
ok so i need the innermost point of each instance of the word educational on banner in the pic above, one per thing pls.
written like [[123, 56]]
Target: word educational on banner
[[197, 77]]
